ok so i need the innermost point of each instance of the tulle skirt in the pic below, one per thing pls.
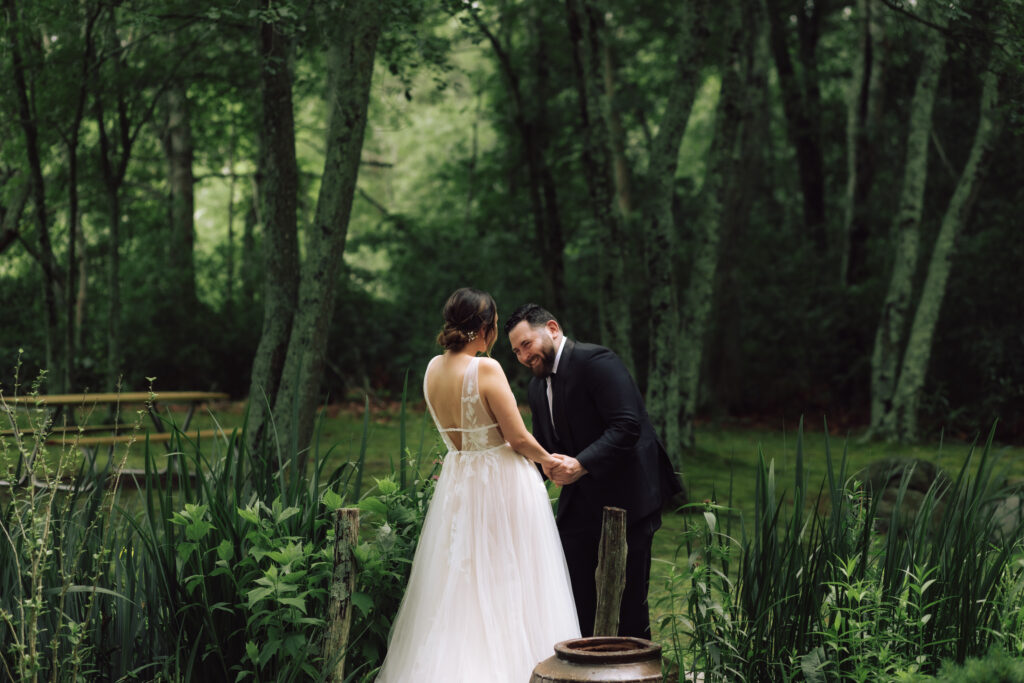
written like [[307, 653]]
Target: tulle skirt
[[489, 593]]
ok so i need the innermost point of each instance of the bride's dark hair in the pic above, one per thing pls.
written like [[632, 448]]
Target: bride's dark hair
[[465, 313]]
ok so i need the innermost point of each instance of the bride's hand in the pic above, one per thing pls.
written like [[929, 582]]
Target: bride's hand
[[549, 464], [568, 470]]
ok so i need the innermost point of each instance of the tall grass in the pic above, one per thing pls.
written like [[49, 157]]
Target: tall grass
[[818, 595], [216, 569]]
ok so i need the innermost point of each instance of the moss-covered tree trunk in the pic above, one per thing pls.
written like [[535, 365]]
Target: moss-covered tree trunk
[[352, 45], [720, 174], [276, 195], [587, 34], [906, 229], [906, 400], [660, 245]]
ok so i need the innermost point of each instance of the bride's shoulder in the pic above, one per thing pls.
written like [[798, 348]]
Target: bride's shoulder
[[490, 365], [490, 369]]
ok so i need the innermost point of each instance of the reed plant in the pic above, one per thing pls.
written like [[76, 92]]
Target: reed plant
[[216, 569], [819, 595]]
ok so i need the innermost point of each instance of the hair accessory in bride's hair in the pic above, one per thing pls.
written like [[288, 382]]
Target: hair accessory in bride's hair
[[471, 336]]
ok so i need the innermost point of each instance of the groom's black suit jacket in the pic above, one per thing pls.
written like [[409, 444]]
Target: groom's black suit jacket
[[600, 419]]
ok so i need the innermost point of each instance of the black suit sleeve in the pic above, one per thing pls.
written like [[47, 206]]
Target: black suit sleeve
[[616, 400]]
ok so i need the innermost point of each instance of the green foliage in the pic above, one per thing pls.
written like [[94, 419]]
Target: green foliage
[[218, 569], [818, 596]]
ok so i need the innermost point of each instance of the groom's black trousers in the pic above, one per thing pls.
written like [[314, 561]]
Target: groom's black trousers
[[581, 547]]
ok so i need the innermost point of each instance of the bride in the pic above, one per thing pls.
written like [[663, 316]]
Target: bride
[[489, 593]]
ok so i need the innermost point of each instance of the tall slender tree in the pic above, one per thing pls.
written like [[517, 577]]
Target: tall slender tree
[[587, 35], [278, 202], [661, 244], [906, 230], [801, 101], [864, 105], [901, 421], [351, 33], [716, 191]]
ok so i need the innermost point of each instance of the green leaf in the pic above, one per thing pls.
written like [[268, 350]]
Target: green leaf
[[185, 550], [386, 486], [373, 506], [226, 550], [363, 602], [297, 603], [286, 514], [249, 514], [332, 500], [257, 594]]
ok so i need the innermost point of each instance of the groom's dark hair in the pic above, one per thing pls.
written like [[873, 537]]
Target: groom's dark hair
[[532, 313]]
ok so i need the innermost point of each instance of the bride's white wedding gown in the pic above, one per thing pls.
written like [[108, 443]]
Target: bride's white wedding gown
[[489, 592]]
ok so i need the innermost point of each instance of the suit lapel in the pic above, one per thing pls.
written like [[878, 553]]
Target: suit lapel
[[539, 411], [558, 393]]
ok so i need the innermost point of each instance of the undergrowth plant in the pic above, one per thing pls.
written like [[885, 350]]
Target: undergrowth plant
[[218, 569], [819, 595]]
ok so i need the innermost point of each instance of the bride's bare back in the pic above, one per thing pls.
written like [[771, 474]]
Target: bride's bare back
[[445, 378]]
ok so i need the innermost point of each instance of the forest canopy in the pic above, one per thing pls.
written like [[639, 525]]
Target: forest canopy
[[768, 209]]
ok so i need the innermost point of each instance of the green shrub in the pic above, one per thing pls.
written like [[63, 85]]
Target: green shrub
[[221, 577], [819, 596]]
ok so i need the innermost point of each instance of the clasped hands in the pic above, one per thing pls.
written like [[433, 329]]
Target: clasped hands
[[565, 470]]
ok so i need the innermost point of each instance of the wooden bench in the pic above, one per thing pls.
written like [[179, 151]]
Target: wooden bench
[[138, 437], [73, 434], [70, 429]]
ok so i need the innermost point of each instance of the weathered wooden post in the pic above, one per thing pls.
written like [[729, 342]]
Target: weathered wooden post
[[611, 572], [339, 611]]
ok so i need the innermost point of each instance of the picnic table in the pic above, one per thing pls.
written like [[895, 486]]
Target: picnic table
[[153, 400], [71, 431]]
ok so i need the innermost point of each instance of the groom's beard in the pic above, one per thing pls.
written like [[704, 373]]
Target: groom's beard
[[547, 360]]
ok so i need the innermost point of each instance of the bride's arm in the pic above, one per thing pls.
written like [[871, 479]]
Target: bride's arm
[[497, 395]]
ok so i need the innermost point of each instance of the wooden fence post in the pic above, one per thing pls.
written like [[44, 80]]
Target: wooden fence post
[[343, 583], [611, 572]]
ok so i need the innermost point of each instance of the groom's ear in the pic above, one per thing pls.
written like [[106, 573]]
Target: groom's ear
[[552, 327]]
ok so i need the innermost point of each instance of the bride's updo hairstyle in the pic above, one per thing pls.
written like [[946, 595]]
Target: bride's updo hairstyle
[[465, 313]]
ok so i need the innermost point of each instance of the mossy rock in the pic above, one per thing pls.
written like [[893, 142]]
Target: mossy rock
[[885, 477]]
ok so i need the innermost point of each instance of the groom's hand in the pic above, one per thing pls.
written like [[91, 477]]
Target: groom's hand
[[567, 471], [548, 467]]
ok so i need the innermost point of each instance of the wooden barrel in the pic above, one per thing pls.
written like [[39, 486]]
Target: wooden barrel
[[601, 658]]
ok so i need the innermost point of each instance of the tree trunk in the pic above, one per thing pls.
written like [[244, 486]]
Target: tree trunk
[[44, 255], [276, 195], [532, 126], [725, 371], [250, 261], [10, 215], [115, 151], [906, 231], [586, 32], [179, 152], [551, 237], [721, 169], [350, 70], [229, 247], [802, 107], [660, 246], [907, 396], [863, 110]]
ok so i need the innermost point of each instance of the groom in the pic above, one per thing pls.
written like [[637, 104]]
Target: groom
[[586, 406]]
